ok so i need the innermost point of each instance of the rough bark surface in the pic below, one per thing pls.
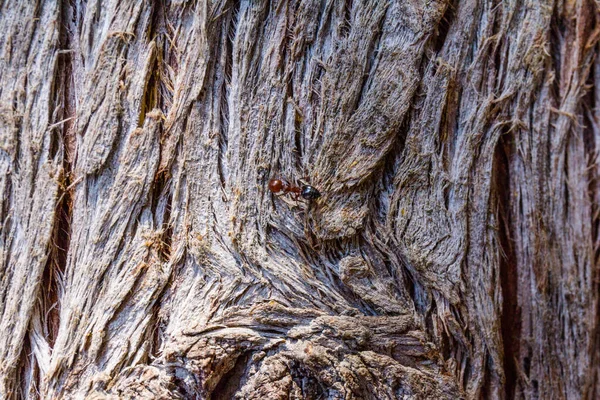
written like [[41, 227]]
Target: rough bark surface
[[455, 252]]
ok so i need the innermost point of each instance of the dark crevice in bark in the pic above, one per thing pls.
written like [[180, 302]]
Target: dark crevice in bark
[[61, 235], [298, 134], [556, 38], [151, 98], [57, 260], [185, 383], [445, 341], [449, 125], [231, 33], [167, 233], [315, 95], [511, 314], [411, 286], [158, 93], [466, 365], [18, 127], [566, 190], [157, 20], [311, 386], [234, 379], [227, 59], [224, 79], [486, 389], [441, 31], [288, 58], [391, 162], [298, 149]]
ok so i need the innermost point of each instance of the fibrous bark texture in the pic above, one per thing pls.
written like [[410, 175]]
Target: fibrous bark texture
[[454, 252]]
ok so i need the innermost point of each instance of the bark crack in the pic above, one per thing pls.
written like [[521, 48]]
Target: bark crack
[[65, 112], [511, 313]]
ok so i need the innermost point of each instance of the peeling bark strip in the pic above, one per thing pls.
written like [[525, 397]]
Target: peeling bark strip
[[454, 252]]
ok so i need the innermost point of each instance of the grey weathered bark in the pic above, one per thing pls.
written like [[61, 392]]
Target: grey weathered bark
[[454, 253]]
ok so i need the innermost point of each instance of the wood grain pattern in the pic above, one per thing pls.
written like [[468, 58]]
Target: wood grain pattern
[[454, 252]]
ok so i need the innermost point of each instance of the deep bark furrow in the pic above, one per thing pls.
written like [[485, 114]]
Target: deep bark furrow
[[31, 170], [508, 274]]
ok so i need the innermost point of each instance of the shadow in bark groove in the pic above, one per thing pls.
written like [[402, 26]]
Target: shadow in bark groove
[[511, 313], [443, 27], [65, 147], [233, 380]]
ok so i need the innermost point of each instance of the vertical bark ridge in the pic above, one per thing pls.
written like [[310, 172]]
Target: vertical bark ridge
[[30, 167], [551, 234], [116, 162], [46, 318], [594, 119]]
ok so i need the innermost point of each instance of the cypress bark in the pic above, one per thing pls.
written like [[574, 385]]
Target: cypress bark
[[454, 252]]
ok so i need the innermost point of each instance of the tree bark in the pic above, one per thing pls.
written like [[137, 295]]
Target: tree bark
[[454, 252]]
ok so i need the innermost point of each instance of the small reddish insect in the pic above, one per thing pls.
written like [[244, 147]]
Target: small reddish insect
[[281, 187]]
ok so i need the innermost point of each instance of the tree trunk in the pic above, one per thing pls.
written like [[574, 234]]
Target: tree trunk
[[454, 251]]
